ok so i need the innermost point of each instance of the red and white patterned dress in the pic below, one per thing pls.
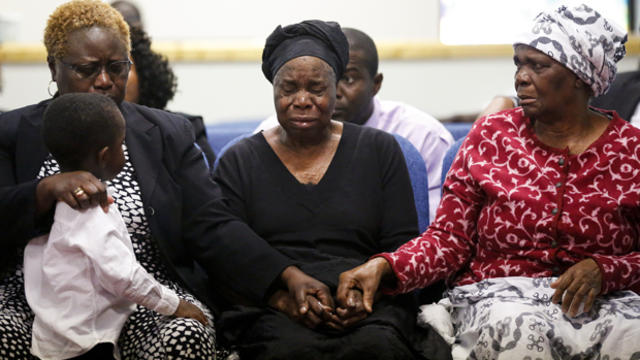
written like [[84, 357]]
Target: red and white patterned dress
[[512, 206]]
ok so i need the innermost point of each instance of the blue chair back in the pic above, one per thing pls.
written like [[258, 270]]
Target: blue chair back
[[458, 130], [221, 133], [449, 156], [229, 144], [419, 180]]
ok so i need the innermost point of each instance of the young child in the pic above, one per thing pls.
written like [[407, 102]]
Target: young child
[[82, 279]]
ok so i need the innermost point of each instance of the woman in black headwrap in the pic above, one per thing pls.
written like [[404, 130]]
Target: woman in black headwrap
[[328, 195]]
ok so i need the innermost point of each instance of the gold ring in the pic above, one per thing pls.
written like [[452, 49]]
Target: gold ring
[[79, 191]]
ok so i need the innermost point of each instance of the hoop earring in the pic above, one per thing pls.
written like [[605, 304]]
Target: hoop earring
[[49, 88]]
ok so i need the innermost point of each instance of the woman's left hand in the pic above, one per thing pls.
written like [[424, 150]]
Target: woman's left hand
[[353, 311], [580, 283]]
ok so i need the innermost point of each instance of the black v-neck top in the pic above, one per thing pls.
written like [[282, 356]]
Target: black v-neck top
[[363, 204]]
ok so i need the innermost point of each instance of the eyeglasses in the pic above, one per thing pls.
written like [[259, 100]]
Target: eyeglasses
[[119, 68]]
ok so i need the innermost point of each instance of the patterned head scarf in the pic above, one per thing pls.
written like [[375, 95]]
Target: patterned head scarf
[[580, 39], [322, 39]]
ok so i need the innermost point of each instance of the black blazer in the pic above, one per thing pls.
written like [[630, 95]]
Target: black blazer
[[200, 132], [200, 240], [623, 95]]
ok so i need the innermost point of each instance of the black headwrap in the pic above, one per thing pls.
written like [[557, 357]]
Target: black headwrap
[[321, 39]]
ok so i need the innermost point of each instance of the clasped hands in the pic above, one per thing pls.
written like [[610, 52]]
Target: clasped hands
[[309, 301]]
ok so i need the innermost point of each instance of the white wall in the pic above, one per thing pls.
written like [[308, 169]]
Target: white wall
[[250, 19], [227, 91]]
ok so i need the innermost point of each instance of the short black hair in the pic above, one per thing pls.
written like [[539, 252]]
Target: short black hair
[[77, 125], [360, 41], [157, 82]]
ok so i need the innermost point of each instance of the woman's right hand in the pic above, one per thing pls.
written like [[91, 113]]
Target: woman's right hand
[[365, 278], [578, 286], [282, 301], [79, 189], [188, 310]]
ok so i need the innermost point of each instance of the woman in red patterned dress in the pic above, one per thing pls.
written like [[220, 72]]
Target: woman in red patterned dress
[[538, 228]]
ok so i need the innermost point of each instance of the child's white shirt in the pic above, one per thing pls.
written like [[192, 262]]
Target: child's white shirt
[[82, 281]]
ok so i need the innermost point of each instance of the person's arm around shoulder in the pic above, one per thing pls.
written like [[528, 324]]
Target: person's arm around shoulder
[[26, 209]]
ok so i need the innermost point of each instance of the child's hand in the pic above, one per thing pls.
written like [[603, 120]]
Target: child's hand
[[189, 310]]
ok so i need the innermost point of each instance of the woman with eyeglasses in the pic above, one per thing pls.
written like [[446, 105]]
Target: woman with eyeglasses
[[91, 54], [180, 227]]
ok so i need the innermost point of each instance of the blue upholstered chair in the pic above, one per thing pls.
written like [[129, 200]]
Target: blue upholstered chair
[[419, 180], [222, 133], [415, 165], [458, 130], [449, 156], [229, 144]]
